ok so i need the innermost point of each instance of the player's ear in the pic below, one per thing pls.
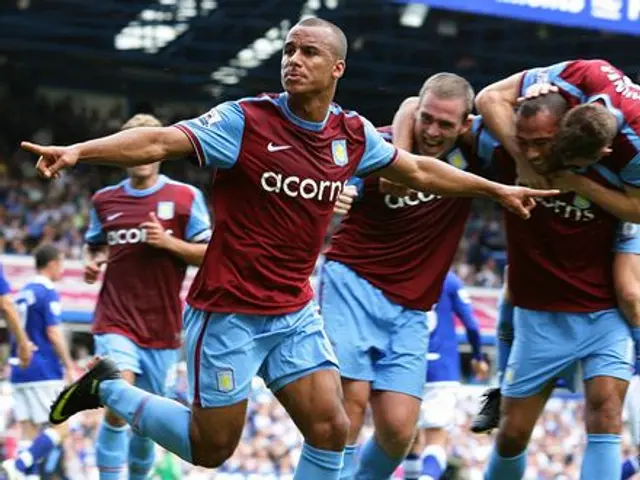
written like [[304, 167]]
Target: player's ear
[[466, 124], [338, 69]]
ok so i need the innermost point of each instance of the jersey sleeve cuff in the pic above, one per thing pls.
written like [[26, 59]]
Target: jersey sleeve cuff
[[380, 167], [202, 161]]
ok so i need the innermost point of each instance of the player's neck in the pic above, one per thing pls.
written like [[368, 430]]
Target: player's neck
[[45, 274], [142, 183], [310, 108]]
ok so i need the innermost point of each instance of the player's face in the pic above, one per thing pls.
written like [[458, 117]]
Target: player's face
[[439, 122], [535, 136], [142, 172], [57, 268], [309, 64]]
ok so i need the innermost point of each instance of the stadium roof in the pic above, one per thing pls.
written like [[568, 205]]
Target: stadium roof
[[196, 49]]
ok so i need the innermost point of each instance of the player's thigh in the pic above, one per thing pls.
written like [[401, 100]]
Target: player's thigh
[[122, 350], [545, 347], [156, 365], [518, 417], [438, 409], [606, 347], [349, 306], [401, 366], [224, 353]]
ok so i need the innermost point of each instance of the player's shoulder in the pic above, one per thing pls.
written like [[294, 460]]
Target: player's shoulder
[[41, 287], [182, 188], [108, 191]]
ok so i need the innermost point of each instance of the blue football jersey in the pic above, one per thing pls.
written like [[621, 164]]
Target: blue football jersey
[[39, 305], [443, 357], [4, 285]]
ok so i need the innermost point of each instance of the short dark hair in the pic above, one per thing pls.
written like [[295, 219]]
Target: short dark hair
[[551, 102], [45, 254], [341, 44], [583, 133], [449, 85]]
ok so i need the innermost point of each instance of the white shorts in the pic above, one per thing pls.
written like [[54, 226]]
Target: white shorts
[[438, 408], [32, 401], [632, 407]]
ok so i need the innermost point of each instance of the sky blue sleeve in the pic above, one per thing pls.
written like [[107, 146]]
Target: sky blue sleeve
[[95, 233], [52, 308], [199, 225], [378, 152], [217, 135], [5, 288], [462, 307], [486, 144], [630, 174], [551, 74]]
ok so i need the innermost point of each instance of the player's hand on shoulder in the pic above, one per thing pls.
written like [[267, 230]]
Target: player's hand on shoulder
[[395, 189], [52, 159], [521, 200], [538, 90], [156, 235], [26, 350], [345, 200]]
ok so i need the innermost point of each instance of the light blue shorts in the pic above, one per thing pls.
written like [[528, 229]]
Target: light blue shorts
[[226, 350], [151, 365], [550, 345], [376, 340], [628, 238]]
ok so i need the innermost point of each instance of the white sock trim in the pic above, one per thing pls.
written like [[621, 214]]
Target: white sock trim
[[53, 435], [26, 458]]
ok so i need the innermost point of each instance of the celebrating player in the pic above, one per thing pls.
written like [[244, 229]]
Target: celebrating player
[[147, 229], [36, 386], [282, 161], [530, 139], [384, 271], [428, 457]]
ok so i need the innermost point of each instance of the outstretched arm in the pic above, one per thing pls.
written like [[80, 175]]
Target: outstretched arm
[[430, 175], [403, 122]]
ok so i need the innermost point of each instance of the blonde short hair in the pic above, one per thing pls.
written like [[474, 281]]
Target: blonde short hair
[[141, 120]]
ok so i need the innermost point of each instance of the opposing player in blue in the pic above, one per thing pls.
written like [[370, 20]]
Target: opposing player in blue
[[428, 457], [282, 160], [37, 386]]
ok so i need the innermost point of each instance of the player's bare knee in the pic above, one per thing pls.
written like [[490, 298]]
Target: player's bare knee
[[513, 437], [604, 412], [211, 447], [396, 433], [329, 431]]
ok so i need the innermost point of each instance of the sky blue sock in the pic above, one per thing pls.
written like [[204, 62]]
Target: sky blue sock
[[635, 334], [412, 466], [602, 457], [317, 464], [165, 421], [112, 447], [142, 454], [41, 446], [629, 468], [505, 336], [501, 468], [375, 464], [349, 462]]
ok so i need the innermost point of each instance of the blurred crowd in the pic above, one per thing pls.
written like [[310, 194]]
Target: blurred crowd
[[33, 211], [270, 445]]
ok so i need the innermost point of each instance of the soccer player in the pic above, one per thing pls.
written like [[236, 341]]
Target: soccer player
[[282, 161], [36, 386], [383, 272], [148, 229], [579, 81], [565, 310], [24, 347], [428, 456]]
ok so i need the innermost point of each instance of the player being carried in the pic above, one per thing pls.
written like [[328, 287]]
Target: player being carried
[[147, 229], [36, 386], [282, 161], [385, 269]]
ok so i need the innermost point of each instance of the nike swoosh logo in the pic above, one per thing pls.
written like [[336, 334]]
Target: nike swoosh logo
[[56, 415], [276, 148], [113, 216]]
